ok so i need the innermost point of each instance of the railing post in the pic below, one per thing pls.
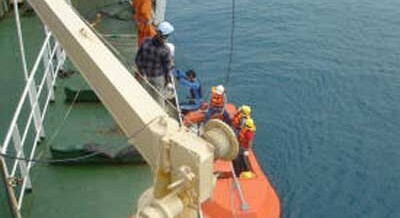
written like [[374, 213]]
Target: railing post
[[59, 55], [22, 164], [159, 11], [3, 8], [32, 89], [10, 191], [48, 62]]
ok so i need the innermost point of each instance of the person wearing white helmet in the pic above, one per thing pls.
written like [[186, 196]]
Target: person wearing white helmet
[[216, 108], [154, 61], [165, 29]]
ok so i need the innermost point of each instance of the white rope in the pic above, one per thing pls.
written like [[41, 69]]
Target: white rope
[[244, 205], [177, 101], [232, 189], [61, 124]]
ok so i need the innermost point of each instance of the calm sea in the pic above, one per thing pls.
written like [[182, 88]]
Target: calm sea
[[323, 80]]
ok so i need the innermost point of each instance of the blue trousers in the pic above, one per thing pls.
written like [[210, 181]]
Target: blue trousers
[[211, 111]]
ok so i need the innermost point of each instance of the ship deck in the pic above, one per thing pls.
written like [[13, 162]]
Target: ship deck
[[80, 190]]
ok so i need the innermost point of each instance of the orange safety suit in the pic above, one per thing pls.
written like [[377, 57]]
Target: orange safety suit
[[238, 119], [217, 100], [246, 136], [143, 18]]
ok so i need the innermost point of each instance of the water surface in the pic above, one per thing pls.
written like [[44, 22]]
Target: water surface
[[323, 80]]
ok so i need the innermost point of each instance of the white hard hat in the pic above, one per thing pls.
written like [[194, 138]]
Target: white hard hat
[[220, 89], [171, 48], [165, 28]]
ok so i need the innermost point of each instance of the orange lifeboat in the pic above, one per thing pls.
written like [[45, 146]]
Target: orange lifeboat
[[260, 198]]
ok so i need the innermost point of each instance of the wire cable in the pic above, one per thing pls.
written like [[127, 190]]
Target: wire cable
[[49, 161], [231, 44], [74, 159]]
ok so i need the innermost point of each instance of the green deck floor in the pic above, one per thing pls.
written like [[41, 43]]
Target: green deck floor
[[78, 191]]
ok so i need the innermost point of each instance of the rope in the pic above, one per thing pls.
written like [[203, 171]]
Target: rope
[[244, 205], [230, 56], [74, 159], [52, 137], [232, 190], [50, 160], [135, 133], [57, 131]]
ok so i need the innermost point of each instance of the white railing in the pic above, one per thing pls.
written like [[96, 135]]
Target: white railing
[[28, 117], [3, 8]]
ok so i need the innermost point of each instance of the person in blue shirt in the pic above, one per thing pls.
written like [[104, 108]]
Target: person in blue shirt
[[195, 98]]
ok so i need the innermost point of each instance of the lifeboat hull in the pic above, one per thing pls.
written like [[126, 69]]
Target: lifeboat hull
[[259, 195]]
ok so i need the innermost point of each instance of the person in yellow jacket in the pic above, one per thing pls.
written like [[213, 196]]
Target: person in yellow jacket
[[245, 138], [143, 17], [243, 113]]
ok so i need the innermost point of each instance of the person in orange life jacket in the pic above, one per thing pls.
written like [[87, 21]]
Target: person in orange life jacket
[[217, 105], [143, 17], [245, 138], [240, 117], [194, 85]]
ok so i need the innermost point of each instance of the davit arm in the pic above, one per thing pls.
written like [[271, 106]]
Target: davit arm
[[181, 162]]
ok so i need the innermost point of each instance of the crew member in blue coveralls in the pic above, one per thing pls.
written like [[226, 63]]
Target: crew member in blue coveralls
[[195, 98]]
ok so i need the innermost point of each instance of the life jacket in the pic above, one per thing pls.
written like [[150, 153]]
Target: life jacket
[[217, 100], [244, 140], [238, 119]]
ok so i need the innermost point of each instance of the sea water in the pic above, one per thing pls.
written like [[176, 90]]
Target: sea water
[[323, 79]]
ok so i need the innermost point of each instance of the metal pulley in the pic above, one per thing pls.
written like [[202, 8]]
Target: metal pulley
[[222, 137]]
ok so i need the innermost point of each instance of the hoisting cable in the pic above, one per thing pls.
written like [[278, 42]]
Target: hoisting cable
[[232, 35], [244, 205]]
